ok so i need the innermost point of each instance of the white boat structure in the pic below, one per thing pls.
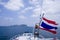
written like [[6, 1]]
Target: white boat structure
[[30, 36]]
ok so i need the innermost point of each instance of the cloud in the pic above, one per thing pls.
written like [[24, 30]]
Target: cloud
[[35, 2], [37, 7], [50, 6], [26, 9], [22, 17], [36, 12], [14, 5]]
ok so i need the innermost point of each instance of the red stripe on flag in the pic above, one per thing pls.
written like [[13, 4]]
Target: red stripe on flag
[[50, 21], [52, 31]]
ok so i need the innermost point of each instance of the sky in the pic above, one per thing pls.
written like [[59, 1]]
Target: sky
[[17, 12]]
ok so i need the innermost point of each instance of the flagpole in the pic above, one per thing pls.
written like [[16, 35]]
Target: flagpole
[[41, 16], [38, 31]]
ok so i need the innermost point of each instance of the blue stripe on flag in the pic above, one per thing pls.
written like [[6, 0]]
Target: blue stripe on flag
[[44, 25]]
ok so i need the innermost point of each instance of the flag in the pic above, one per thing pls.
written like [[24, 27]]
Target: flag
[[50, 21], [48, 25]]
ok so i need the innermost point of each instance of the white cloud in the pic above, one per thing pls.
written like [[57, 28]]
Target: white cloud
[[37, 5], [35, 2], [36, 12], [50, 6], [26, 9], [22, 17], [14, 4]]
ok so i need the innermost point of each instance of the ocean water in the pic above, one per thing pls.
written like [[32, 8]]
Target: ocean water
[[8, 32]]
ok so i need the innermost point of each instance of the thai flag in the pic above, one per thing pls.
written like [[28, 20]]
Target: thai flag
[[48, 25]]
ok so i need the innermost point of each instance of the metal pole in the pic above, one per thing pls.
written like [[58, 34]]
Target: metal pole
[[41, 19], [41, 16], [39, 24]]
